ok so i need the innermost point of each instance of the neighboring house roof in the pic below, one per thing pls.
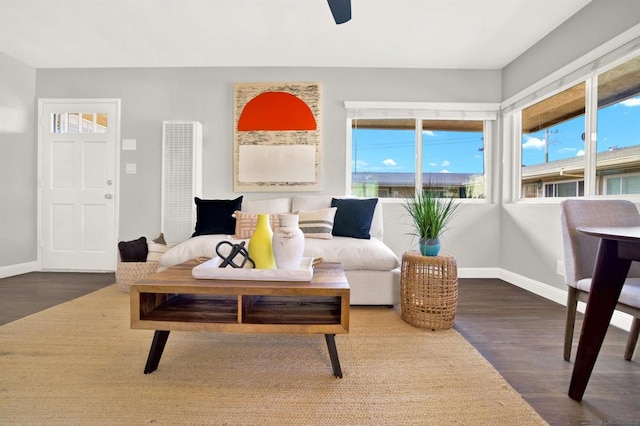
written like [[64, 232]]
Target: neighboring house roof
[[605, 159], [408, 179]]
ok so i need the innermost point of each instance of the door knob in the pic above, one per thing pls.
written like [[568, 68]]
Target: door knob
[[108, 196]]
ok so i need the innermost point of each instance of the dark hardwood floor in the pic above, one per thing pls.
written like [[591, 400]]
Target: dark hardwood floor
[[519, 333], [27, 294], [522, 336]]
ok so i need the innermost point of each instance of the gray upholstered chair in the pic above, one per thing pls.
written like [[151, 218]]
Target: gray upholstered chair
[[580, 252]]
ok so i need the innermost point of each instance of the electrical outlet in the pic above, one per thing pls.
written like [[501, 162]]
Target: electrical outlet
[[560, 268]]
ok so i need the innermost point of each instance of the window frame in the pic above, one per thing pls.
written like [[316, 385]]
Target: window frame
[[512, 123], [418, 111]]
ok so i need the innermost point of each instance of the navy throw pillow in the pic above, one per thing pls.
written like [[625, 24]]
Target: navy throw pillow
[[353, 217], [216, 216], [134, 251]]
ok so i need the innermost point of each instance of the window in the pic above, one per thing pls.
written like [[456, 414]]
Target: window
[[622, 184], [552, 144], [618, 127], [565, 138], [564, 189], [393, 157], [78, 122]]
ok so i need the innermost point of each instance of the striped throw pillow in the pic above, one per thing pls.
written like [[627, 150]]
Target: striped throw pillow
[[317, 223]]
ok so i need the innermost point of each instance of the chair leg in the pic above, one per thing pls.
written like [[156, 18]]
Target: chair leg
[[572, 307], [633, 339]]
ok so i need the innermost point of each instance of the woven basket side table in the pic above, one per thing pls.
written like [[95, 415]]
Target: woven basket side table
[[429, 290]]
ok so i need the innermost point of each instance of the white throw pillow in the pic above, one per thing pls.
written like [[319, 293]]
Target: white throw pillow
[[156, 251]]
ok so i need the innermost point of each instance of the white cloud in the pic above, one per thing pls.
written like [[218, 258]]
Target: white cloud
[[428, 133], [433, 164], [534, 143], [445, 163], [631, 102], [444, 171], [389, 162], [568, 149], [580, 153]]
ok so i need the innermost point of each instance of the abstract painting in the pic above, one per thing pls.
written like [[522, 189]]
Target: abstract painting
[[276, 137]]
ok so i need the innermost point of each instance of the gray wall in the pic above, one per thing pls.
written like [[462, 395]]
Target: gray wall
[[17, 162], [205, 94], [592, 26]]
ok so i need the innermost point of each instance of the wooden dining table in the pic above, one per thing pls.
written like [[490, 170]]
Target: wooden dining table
[[619, 246]]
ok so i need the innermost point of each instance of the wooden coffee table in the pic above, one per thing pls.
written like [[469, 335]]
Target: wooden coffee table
[[174, 300]]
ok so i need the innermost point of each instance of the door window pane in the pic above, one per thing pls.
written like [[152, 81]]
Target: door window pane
[[76, 122]]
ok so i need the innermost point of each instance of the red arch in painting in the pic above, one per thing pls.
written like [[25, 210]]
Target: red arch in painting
[[276, 111]]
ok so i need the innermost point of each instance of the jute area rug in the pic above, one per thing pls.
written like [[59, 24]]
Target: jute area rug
[[80, 363]]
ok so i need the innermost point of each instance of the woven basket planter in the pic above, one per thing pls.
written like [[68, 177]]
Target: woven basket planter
[[131, 272], [429, 290]]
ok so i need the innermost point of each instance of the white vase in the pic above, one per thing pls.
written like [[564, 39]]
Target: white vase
[[288, 243]]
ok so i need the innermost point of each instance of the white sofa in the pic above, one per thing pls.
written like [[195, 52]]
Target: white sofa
[[370, 266]]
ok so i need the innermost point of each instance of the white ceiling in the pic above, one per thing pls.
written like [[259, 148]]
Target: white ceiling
[[471, 34]]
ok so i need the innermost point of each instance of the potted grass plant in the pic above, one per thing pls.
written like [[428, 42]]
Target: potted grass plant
[[430, 216]]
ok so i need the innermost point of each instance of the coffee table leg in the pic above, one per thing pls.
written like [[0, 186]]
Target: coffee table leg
[[333, 354], [155, 353]]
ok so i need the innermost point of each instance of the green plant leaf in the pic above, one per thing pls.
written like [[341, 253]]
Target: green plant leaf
[[430, 215]]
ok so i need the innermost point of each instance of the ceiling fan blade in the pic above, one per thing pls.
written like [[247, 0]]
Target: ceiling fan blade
[[341, 10]]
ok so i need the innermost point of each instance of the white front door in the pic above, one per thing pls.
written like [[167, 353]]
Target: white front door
[[78, 205]]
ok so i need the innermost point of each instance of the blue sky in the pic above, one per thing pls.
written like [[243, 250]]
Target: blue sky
[[376, 150], [618, 126], [393, 151]]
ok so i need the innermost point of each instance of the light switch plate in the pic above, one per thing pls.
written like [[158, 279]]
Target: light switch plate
[[131, 168], [129, 144]]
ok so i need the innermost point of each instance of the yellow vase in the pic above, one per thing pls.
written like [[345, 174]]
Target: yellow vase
[[260, 248]]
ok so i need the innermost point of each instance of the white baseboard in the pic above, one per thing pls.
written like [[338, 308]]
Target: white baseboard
[[478, 272], [619, 319], [22, 268]]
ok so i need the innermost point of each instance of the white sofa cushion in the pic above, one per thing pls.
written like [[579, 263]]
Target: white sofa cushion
[[310, 202], [354, 253], [270, 205]]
